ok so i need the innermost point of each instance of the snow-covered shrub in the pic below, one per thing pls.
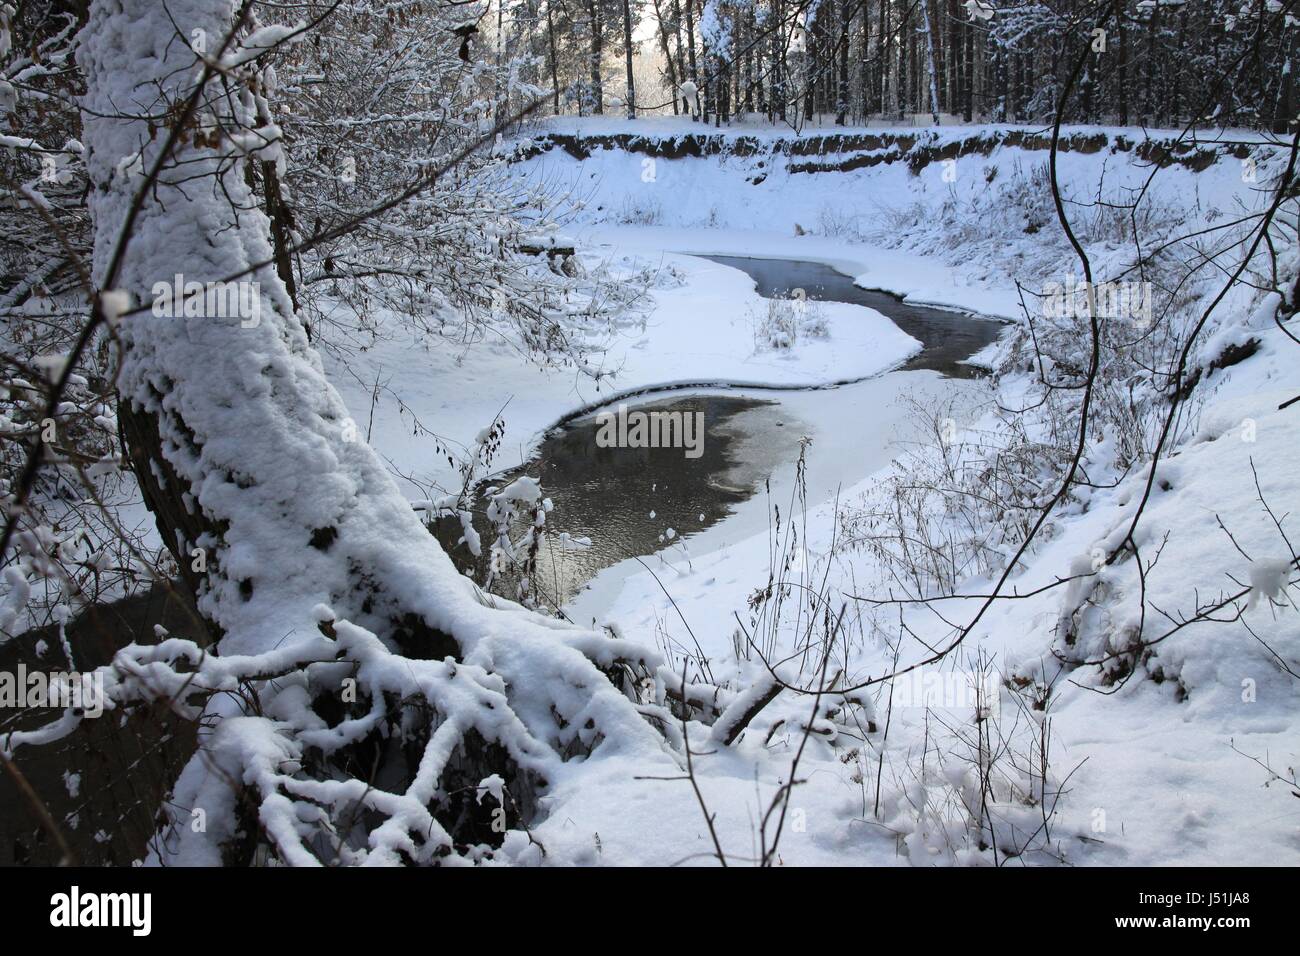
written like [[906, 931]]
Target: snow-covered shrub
[[985, 790], [956, 504], [521, 500], [786, 321], [839, 222], [962, 507], [979, 220], [640, 211]]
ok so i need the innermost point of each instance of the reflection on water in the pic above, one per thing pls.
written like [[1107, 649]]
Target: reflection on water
[[632, 502], [635, 501]]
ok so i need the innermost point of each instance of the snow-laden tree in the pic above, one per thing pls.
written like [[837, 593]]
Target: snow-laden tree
[[360, 701], [382, 94]]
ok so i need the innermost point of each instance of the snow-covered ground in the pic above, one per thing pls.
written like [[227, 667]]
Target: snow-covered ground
[[1166, 768], [1045, 617]]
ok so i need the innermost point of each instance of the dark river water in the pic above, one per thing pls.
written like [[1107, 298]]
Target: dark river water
[[633, 502]]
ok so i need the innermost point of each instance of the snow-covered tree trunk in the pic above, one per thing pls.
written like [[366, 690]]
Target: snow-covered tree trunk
[[296, 539], [929, 53], [694, 74]]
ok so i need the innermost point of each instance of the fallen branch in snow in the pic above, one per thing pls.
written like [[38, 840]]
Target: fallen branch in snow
[[744, 708], [1289, 781]]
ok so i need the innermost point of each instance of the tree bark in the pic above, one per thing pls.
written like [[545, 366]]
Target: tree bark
[[555, 74], [597, 52], [690, 45], [842, 106], [627, 52], [929, 49]]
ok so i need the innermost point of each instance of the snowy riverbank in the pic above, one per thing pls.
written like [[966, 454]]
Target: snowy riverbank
[[699, 330], [1173, 767]]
